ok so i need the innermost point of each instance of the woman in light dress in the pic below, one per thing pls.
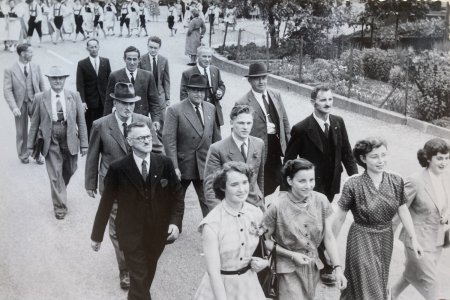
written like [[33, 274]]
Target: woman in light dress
[[154, 10], [134, 17], [230, 17], [110, 17], [88, 17], [230, 235]]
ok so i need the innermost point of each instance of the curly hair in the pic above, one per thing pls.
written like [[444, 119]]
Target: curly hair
[[362, 147], [220, 177], [292, 167], [430, 149]]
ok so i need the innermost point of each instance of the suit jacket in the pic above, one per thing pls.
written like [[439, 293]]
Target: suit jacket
[[185, 140], [226, 150], [306, 143], [144, 86], [107, 142], [14, 85], [163, 84], [259, 128], [92, 87], [424, 211], [216, 84], [42, 120], [145, 209]]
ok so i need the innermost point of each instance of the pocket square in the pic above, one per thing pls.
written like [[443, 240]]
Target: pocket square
[[164, 182]]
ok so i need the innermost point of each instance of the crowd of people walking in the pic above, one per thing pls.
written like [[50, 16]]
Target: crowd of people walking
[[145, 147]]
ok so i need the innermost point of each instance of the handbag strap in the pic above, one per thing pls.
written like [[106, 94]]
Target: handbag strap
[[274, 256]]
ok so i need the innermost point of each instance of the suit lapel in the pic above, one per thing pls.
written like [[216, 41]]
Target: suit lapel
[[91, 67], [209, 118], [160, 64], [234, 154], [47, 99], [334, 128], [254, 103], [18, 72], [115, 132], [134, 175], [155, 173], [69, 104], [313, 133], [191, 116], [428, 187]]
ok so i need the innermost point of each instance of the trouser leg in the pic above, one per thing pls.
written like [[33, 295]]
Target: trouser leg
[[22, 132], [272, 167], [113, 236], [198, 185], [91, 115]]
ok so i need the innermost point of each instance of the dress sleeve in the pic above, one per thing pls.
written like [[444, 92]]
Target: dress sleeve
[[347, 199], [270, 217], [327, 209], [401, 192], [212, 219]]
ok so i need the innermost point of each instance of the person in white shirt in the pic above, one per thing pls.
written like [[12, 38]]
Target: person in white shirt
[[35, 20]]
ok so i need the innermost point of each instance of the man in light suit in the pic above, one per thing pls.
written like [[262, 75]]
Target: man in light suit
[[189, 131], [108, 144], [150, 208], [59, 116], [270, 123], [239, 146], [144, 85], [92, 78], [216, 87], [22, 81]]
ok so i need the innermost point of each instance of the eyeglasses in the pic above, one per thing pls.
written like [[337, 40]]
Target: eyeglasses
[[142, 139]]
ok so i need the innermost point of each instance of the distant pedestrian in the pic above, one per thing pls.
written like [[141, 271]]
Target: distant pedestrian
[[142, 19], [211, 16], [125, 13], [78, 13], [154, 10], [98, 18], [171, 18], [194, 35], [59, 116], [34, 20], [57, 13], [110, 17], [88, 18]]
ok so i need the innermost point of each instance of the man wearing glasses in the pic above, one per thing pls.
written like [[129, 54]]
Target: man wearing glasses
[[108, 143], [150, 208], [189, 130]]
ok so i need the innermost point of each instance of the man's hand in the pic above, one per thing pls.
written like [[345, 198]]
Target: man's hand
[[85, 106], [178, 172], [83, 152], [91, 193], [156, 125], [16, 112], [167, 103], [173, 233], [219, 94], [95, 246]]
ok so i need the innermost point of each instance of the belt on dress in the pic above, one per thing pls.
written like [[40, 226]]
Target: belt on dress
[[237, 272]]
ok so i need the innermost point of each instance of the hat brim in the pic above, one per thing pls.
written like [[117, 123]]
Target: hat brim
[[197, 86], [62, 75], [126, 100], [257, 75]]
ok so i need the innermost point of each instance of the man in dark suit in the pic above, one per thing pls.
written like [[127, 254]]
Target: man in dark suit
[[108, 144], [150, 208], [189, 131], [322, 139], [144, 85], [216, 87], [92, 78], [270, 123], [239, 146], [59, 118]]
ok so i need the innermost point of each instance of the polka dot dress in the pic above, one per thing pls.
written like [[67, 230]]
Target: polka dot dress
[[370, 240]]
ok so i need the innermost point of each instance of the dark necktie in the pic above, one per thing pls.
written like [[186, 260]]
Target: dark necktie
[[132, 78], [205, 72], [327, 129], [199, 115], [155, 70], [25, 71], [243, 152], [125, 133], [144, 170], [59, 108], [266, 106]]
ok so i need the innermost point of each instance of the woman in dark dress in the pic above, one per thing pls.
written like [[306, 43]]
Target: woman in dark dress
[[374, 198]]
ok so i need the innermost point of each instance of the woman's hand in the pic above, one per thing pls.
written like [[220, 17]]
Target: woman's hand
[[300, 259], [341, 281], [258, 264], [418, 250]]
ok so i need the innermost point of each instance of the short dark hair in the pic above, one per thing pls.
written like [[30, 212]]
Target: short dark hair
[[131, 49], [362, 147], [241, 109], [135, 125], [317, 89], [292, 167], [22, 47], [220, 177], [430, 149], [92, 40], [154, 39]]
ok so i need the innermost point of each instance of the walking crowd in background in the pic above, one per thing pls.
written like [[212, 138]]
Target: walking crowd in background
[[144, 147]]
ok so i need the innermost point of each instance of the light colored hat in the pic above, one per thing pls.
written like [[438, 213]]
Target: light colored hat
[[57, 71]]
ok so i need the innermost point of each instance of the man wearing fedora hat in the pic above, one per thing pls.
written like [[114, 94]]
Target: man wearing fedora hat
[[189, 130], [107, 144], [270, 123], [59, 116]]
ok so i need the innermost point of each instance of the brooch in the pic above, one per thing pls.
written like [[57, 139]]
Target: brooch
[[256, 230]]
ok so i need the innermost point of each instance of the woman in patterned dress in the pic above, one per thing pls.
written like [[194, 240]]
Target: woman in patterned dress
[[428, 196], [299, 220], [230, 235], [374, 198]]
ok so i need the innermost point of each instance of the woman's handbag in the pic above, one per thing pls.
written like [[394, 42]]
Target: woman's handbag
[[268, 277], [447, 239]]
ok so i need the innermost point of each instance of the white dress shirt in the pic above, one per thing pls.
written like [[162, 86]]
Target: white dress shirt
[[120, 122], [21, 65], [139, 161], [129, 74], [271, 129], [200, 109], [322, 122], [62, 99], [239, 143], [208, 72], [93, 61]]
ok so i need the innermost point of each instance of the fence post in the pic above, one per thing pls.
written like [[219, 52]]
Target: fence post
[[238, 44], [300, 60], [267, 49], [210, 33], [351, 70], [407, 86], [225, 37]]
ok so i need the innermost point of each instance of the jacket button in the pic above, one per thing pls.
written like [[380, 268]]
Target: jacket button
[[242, 229]]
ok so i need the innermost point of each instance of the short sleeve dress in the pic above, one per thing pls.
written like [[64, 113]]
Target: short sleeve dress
[[370, 239], [298, 227], [238, 236]]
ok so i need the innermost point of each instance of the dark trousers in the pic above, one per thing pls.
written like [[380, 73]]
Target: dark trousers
[[79, 24], [124, 20], [142, 264], [91, 115], [272, 167], [198, 185], [32, 25]]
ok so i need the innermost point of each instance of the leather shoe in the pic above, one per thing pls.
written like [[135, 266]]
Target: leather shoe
[[124, 280], [328, 278], [60, 216], [40, 161], [25, 160]]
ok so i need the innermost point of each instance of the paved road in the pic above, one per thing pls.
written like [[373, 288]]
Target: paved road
[[42, 258]]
